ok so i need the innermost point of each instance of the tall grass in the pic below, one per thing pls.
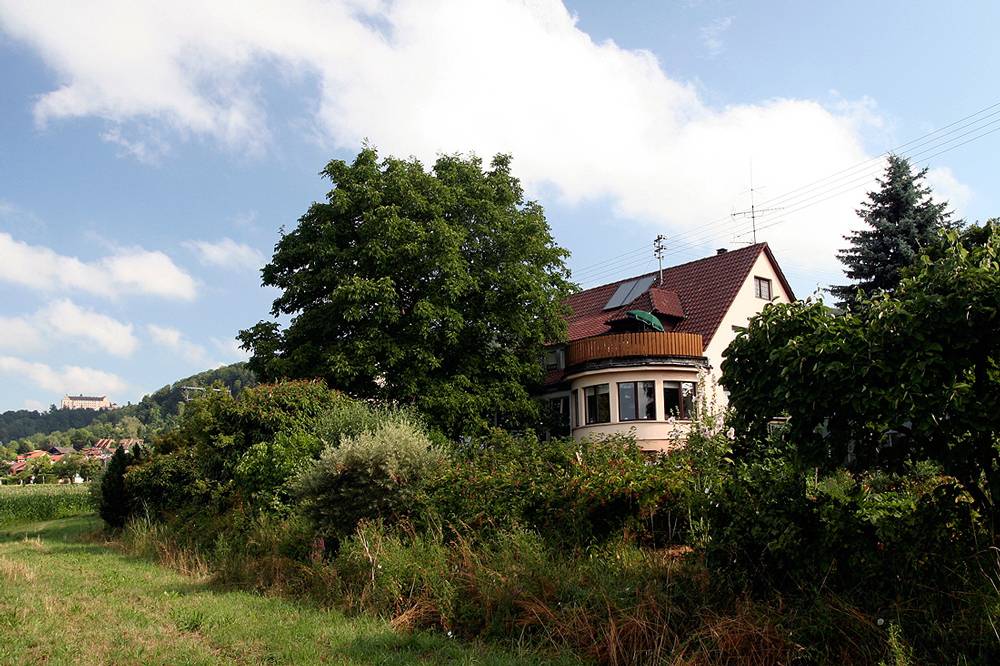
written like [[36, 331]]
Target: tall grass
[[33, 503]]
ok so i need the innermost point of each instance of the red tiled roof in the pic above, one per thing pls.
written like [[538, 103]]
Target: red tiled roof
[[699, 291]]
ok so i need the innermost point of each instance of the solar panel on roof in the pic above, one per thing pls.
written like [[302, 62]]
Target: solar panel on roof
[[619, 296], [640, 286]]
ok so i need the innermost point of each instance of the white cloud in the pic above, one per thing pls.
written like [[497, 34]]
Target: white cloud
[[63, 319], [711, 34], [149, 150], [127, 271], [66, 319], [20, 334], [586, 120], [945, 187], [227, 253], [231, 350], [68, 379], [35, 405], [176, 341]]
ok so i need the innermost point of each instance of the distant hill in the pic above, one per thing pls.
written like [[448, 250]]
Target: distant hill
[[151, 409], [165, 401]]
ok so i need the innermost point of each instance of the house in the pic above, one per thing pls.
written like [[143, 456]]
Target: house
[[640, 350], [98, 402], [23, 459]]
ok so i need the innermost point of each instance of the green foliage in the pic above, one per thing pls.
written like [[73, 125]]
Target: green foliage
[[903, 221], [163, 485], [234, 437], [905, 379], [377, 474], [34, 503], [23, 422], [73, 464], [436, 289], [115, 508], [573, 493]]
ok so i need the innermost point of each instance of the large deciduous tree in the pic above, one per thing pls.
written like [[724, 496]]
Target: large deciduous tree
[[901, 220], [436, 289], [906, 378]]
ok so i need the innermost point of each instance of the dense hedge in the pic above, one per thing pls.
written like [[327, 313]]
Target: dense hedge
[[296, 488]]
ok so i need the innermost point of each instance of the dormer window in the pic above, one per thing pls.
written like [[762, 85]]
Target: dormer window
[[553, 359], [762, 288]]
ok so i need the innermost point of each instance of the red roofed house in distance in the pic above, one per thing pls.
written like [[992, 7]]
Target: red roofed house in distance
[[639, 350]]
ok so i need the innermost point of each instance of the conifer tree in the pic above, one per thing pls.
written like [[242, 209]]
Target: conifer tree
[[902, 221], [114, 507]]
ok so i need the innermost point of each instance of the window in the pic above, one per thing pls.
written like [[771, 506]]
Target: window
[[552, 360], [636, 401], [598, 403], [762, 288], [678, 399]]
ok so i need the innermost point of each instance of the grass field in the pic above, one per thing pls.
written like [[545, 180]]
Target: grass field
[[68, 598], [34, 503]]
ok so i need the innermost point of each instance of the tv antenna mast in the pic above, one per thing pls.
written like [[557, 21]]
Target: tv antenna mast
[[658, 249], [753, 211]]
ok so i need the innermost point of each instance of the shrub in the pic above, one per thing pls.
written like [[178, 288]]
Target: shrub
[[265, 469], [573, 493], [776, 529], [164, 484], [378, 474]]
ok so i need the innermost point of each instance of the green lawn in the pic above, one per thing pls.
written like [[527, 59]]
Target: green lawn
[[66, 598]]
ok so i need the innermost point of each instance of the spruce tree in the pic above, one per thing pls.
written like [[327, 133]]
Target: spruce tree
[[902, 221], [114, 508]]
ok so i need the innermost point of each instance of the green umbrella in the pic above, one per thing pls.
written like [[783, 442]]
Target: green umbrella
[[647, 318]]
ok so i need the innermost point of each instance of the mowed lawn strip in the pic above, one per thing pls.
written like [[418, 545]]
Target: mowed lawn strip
[[66, 599]]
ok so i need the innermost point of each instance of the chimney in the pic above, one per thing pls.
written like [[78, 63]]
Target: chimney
[[721, 250]]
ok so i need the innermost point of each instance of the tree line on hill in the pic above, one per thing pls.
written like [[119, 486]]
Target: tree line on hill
[[23, 430]]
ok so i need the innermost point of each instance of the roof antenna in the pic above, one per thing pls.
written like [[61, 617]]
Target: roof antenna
[[752, 212], [658, 253]]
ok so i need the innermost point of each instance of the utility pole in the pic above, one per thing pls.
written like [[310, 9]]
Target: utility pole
[[658, 248], [753, 210]]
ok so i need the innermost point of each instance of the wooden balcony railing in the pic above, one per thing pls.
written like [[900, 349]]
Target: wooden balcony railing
[[623, 345]]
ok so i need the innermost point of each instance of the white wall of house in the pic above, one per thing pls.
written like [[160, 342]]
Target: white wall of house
[[745, 305]]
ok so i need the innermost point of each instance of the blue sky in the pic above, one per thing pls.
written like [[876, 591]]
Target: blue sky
[[149, 152]]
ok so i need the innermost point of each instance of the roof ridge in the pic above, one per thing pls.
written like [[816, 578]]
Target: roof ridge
[[760, 246]]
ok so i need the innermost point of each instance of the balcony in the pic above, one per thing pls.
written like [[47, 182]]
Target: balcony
[[624, 345]]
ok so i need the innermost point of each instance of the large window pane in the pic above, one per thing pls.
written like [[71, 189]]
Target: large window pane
[[647, 400], [679, 399], [626, 401], [672, 399], [636, 401], [687, 399], [598, 403]]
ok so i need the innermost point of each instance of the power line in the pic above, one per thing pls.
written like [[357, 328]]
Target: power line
[[812, 194]]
